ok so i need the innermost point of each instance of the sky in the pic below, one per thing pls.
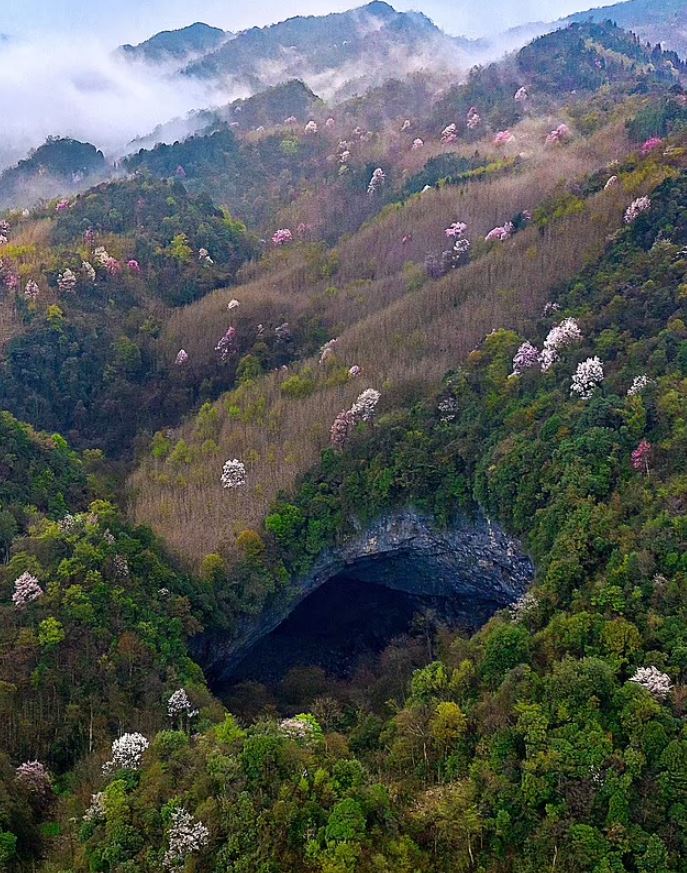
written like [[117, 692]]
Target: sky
[[135, 20]]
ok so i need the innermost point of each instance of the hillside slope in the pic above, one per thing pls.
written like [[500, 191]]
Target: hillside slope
[[655, 21], [554, 733], [389, 273]]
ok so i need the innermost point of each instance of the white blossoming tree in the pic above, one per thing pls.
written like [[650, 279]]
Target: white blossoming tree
[[561, 336], [233, 474], [179, 707], [26, 590], [185, 837], [526, 358], [656, 682], [635, 209], [588, 377], [127, 753]]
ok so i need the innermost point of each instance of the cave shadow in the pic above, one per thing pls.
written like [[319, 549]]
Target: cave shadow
[[347, 622]]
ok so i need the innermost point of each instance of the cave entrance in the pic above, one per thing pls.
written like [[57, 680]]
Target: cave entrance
[[340, 626], [391, 581]]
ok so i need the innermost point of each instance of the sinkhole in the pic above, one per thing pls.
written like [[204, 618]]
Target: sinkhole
[[340, 626], [372, 589]]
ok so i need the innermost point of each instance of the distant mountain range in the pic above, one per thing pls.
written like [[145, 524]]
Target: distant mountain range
[[337, 55], [654, 21], [657, 21], [178, 45]]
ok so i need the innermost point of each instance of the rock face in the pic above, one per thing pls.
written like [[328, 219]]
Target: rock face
[[473, 565]]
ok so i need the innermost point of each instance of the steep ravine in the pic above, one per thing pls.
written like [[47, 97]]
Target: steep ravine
[[466, 572]]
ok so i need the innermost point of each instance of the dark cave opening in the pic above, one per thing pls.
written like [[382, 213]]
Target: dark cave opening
[[391, 592], [343, 624]]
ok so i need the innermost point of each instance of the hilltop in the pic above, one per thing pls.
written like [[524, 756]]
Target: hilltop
[[178, 45]]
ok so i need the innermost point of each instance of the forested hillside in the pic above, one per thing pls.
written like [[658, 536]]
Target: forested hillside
[[248, 350]]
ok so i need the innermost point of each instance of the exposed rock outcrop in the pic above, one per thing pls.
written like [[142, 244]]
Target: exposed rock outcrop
[[473, 564]]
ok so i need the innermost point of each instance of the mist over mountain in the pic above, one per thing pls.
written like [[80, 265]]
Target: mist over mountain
[[336, 55], [178, 45], [657, 21]]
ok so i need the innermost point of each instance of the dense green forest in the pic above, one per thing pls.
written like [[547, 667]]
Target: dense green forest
[[228, 364]]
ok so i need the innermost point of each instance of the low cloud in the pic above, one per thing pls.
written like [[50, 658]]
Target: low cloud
[[82, 89]]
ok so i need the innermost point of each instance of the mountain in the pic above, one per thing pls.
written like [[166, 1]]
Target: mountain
[[656, 21], [356, 543], [59, 166], [177, 45], [326, 52], [661, 22]]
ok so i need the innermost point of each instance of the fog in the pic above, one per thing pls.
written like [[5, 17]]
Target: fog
[[62, 77], [87, 92]]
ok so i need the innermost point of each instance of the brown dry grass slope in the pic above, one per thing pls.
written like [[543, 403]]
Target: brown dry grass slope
[[403, 330]]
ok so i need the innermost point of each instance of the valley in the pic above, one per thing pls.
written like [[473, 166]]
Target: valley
[[342, 458]]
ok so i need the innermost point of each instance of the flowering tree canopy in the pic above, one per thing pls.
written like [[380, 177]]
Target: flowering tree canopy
[[417, 144], [564, 334], [635, 209], [365, 406], [503, 137], [311, 127], [300, 727], [181, 358], [113, 267], [558, 135], [330, 123], [228, 344], [204, 257], [233, 304], [639, 384], [341, 429], [611, 183], [127, 753], [133, 265], [363, 409], [377, 181], [96, 811], [233, 474], [282, 236], [655, 682], [66, 282], [186, 837], [653, 143], [31, 291], [26, 590], [34, 777], [88, 272], [473, 118], [521, 95], [406, 125], [449, 134], [499, 234], [641, 457], [327, 350], [101, 256], [526, 357], [456, 230], [179, 705], [589, 375]]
